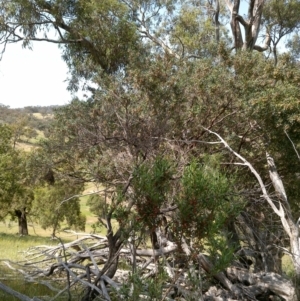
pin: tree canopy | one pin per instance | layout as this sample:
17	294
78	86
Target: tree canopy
190	127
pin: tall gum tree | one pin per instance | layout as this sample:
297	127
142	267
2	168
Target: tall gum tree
104	34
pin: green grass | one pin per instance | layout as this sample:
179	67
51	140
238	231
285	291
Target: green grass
90	218
287	266
12	248
25	288
35	230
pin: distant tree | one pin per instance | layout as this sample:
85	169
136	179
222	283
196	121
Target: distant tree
16	194
22	131
55	204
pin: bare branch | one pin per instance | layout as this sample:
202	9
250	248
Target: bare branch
280	212
292	144
158	42
275	178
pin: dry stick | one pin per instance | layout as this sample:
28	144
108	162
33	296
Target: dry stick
29	278
208	267
104	290
110	282
280	212
171	285
32	225
298	221
132	248
85	236
147	263
108	266
8	263
80	280
292	144
66	288
66	261
92	258
88	276
81	195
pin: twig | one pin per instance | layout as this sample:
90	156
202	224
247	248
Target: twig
68	274
92	258
292	144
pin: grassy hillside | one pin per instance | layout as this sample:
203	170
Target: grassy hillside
33	121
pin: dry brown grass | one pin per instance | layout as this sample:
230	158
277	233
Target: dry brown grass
40	116
27	147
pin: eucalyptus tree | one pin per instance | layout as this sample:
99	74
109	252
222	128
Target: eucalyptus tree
161	76
95	34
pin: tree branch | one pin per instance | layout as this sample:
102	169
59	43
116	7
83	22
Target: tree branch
280	212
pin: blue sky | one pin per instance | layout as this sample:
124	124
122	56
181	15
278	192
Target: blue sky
33	78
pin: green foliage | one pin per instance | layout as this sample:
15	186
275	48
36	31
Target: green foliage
56	204
25	122
151	182
220	252
137	286
206	201
272	97
283	16
194	33
6	136
97	205
100	208
293	45
162	72
109	38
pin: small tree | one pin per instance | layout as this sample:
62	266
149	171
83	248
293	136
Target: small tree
55	204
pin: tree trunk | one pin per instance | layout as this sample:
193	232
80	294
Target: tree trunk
295	251
22	221
251	26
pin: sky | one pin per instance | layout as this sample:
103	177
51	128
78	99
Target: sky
33	78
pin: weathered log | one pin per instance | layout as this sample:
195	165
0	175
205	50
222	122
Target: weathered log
208	267
258	283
